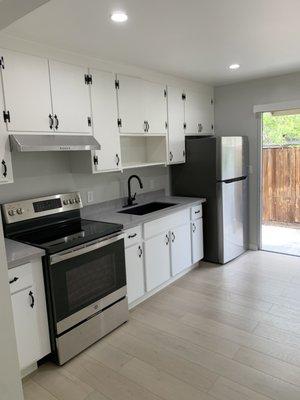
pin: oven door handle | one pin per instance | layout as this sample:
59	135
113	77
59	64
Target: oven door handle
66	255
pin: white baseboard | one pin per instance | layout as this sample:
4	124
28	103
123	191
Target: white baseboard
28	370
253	247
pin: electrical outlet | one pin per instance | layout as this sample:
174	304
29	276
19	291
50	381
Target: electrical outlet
90	197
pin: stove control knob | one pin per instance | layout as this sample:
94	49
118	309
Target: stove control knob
77	200
20	211
72	201
66	202
12	212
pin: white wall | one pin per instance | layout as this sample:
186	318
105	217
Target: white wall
234	116
37	174
10	382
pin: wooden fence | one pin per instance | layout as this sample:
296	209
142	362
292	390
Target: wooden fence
281	185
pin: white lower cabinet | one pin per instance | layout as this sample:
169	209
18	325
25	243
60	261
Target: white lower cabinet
171	245
197	240
25	321
157	260
135	272
180	248
29	312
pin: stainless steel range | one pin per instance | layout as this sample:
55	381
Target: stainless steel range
84	269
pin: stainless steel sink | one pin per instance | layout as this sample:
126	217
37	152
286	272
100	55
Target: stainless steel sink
147	208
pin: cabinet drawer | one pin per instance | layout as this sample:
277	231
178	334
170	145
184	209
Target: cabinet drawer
160	225
133	236
196	212
20	278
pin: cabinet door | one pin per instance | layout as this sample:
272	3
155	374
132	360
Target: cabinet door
197	240
157	260
180	248
105	115
134	272
199	112
26	92
155	107
6	173
176	146
207	105
43	344
25	326
193	113
70	98
130	104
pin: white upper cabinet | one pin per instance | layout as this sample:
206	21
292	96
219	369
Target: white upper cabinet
129	91
176	138
142	106
26	92
199	111
155	107
6	173
105	115
70	98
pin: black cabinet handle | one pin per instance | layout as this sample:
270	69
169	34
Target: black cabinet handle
197	212
132	236
148	126
145	126
167	240
173	237
118	159
171	156
15	279
96	160
194	228
56	121
51	122
4	173
140	252
32	299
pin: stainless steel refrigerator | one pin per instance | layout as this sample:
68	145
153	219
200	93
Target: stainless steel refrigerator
217	168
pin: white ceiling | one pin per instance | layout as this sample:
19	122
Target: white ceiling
195	39
12	10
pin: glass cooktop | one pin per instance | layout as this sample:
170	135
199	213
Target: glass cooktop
62	236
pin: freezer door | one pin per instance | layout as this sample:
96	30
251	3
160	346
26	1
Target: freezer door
233	219
232	157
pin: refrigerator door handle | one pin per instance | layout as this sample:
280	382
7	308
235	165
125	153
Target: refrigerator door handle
241	178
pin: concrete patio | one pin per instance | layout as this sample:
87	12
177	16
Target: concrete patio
281	239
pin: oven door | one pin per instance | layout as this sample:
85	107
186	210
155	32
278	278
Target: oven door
85	280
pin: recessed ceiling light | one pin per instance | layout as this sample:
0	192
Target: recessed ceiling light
119	16
234	66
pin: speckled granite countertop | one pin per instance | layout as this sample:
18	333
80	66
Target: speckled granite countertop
99	212
19	253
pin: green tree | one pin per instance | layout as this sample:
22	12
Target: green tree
281	129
